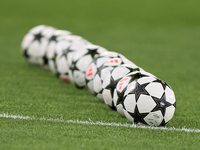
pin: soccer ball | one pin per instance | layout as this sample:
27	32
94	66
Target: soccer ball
149	101
110	81
104	70
80	63
96	65
51	44
34	44
77	44
60	54
64	59
59	48
122	87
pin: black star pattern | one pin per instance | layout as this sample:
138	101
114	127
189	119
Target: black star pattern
73	66
66	73
99	70
38	37
138	90
26	54
162	104
53	38
137	76
174	104
138	117
112	107
112	85
67	51
96	58
64	53
45	60
133	69
92	52
120	98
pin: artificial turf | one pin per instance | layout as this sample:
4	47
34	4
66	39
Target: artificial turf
162	37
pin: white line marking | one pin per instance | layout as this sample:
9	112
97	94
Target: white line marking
90	122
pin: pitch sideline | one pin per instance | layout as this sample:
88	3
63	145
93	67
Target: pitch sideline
90	122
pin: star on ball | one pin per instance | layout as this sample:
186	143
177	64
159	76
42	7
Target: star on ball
26	53
162	104
138	90
38	37
112	85
138	117
73	66
92	52
53	38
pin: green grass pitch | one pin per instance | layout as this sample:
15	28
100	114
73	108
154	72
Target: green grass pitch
162	37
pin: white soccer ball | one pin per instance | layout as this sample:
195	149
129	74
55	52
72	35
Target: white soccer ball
64	59
51	46
96	64
60	55
60	60
104	70
149	101
34	44
112	78
123	86
57	48
80	63
77	44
